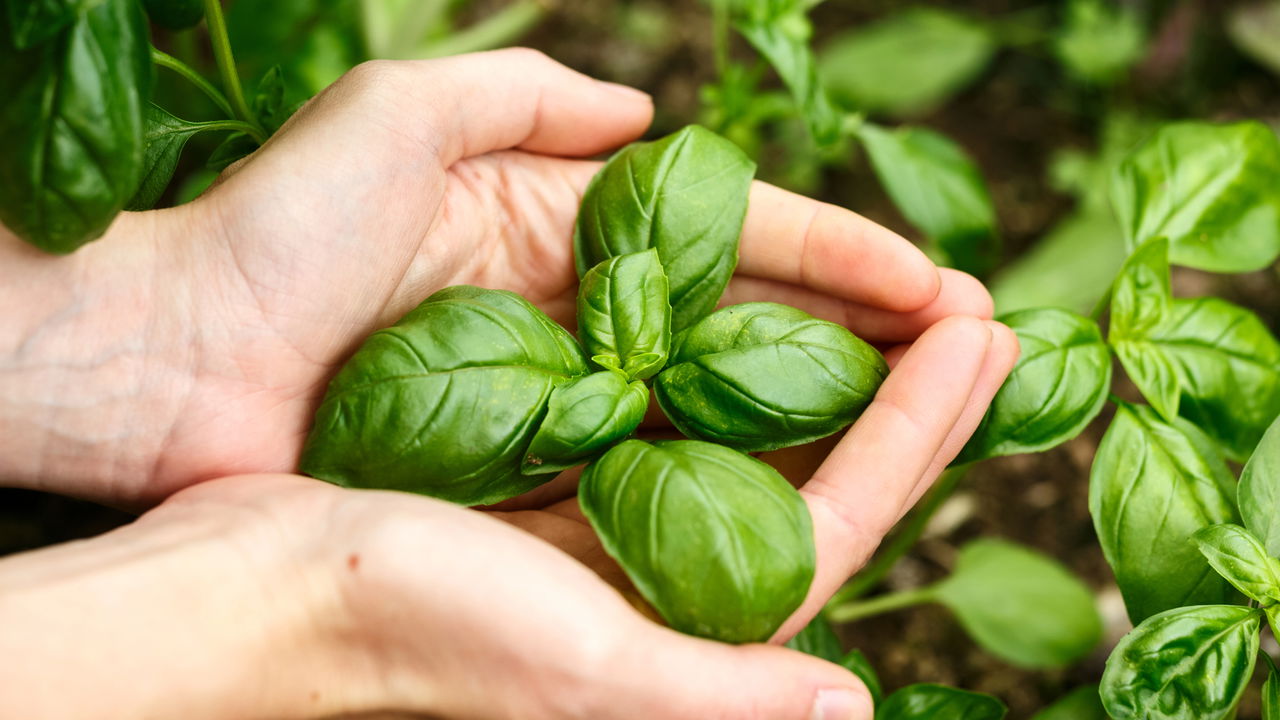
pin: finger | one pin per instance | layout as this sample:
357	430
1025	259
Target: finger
792	239
959	294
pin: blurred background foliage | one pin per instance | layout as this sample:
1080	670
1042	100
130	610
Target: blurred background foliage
1014	110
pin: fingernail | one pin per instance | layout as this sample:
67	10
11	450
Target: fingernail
626	90
840	705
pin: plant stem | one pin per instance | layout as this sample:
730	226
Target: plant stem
227	66
497	29
720	29
883	604
232	125
166	60
901	541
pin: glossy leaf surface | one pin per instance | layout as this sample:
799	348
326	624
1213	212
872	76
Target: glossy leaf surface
1259	493
446	401
1155	483
1057	387
165	137
762	376
684	195
931	702
1189	663
1238	556
718	542
584	417
624	317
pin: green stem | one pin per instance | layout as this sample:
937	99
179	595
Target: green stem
166	60
720	28
905	538
498	29
232	125
879	605
227	66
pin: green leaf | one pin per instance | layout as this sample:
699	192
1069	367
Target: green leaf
718	542
236	146
268	100
1210	189
1154	483
933	702
165	138
1020	605
1254	29
585	416
857	663
762	376
1209	361
1242	560
908	63
1057	387
1100	41
785	44
1083	703
32	22
175	14
73	126
446	401
686	196
1260	491
1189	663
818	639
1070	267
939	189
1271	695
624	317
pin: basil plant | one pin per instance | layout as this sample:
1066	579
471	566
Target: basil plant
476	396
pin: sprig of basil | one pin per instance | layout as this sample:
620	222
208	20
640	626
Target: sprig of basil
585	416
784	42
624	317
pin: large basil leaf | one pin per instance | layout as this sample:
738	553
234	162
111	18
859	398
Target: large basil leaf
1154	483
932	702
446	401
762	376
1240	558
718	542
1212	362
818	639
1057	387
1022	606
1189	663
686	196
73	120
1083	703
1210	189
624	318
31	22
784	42
1259	492
584	417
939	189
907	63
166	136
1099	41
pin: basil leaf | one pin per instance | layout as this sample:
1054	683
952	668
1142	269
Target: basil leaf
624	318
1057	387
930	702
939	190
1022	606
784	42
718	542
1271	695
1154	483
446	401
686	196
857	663
1071	267
908	63
1189	663
1240	558
1083	703
236	146
175	14
166	136
818	639
1259	491
584	417
762	376
1099	41
32	22
73	119
1217	203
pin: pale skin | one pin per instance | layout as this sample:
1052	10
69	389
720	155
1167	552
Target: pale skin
172	367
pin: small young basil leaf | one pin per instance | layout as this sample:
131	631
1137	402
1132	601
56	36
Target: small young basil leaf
174	14
818	639
1083	703
1020	605
784	42
1240	558
908	63
924	701
762	376
236	146
857	663
1057	387
584	417
1141	295
1190	663
166	136
446	401
939	189
686	196
1154	483
1218	203
1259	492
73	118
718	542
624	318
1271	694
32	22
1100	41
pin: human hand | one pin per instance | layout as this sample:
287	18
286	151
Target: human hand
195	342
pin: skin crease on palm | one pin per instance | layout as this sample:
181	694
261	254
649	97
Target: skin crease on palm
194	343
